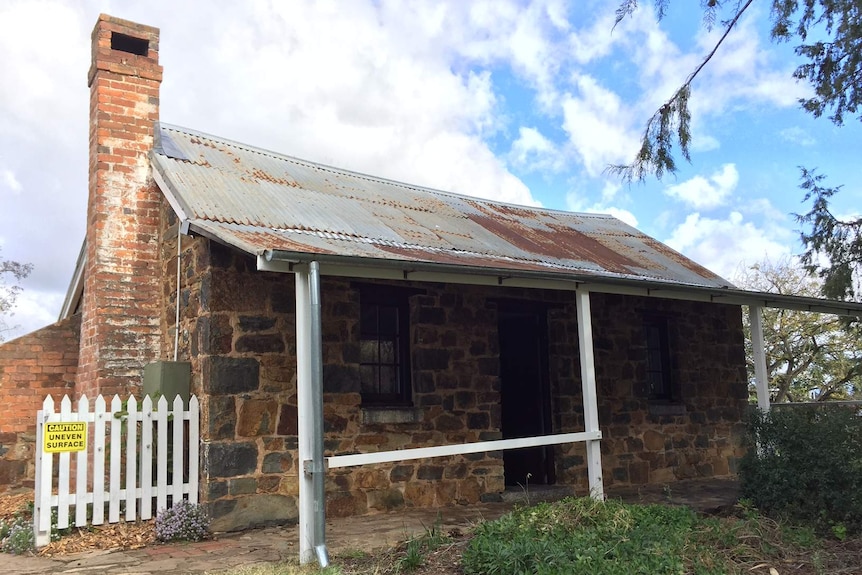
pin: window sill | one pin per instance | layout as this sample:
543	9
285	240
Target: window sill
391	415
657	407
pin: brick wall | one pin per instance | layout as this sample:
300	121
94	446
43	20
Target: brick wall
238	330
121	299
32	367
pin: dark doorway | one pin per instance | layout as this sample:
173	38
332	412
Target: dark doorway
525	393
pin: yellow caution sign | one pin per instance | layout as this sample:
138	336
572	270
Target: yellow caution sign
65	436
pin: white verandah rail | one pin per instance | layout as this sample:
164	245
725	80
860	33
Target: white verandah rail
130	458
351	460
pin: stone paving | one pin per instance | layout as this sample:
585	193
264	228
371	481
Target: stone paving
366	533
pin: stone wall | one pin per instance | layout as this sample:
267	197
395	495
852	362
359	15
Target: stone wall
32	367
697	433
237	327
456	394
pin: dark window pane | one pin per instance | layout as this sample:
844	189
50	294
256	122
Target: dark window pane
368	351
653	337
368	378
388	380
658	374
388	321
655	363
387	352
368	319
655	383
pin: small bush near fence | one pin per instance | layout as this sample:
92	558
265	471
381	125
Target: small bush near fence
183	522
805	464
16	532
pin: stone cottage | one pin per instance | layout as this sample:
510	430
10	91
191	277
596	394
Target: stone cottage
443	320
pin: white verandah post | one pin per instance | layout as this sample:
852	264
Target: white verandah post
305	424
761	380
588	384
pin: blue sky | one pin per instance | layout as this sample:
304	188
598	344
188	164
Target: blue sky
520	102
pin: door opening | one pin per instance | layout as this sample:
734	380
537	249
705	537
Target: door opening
525	391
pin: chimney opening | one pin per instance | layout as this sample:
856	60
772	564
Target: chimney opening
130	44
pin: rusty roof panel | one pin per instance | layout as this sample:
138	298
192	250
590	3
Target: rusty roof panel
258	200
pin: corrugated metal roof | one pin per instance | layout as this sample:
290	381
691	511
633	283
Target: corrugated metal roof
258	200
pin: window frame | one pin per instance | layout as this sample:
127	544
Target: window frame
397	298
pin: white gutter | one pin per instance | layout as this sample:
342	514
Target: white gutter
345	266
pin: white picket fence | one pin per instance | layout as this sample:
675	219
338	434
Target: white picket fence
113	439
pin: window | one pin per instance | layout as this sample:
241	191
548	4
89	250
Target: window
658	359
384	354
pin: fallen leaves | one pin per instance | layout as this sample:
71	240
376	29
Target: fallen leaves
12	505
115	536
133	535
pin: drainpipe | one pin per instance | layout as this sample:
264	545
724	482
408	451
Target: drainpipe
309	395
317	462
304	423
179	275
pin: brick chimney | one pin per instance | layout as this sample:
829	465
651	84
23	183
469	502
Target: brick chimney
121	298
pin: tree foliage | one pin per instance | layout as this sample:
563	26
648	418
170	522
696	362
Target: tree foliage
808	354
11	273
830	36
838	240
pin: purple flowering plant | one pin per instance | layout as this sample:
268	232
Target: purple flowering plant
183	522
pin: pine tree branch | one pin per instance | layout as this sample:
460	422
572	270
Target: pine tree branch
656	153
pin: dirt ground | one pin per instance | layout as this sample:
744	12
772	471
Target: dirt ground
837	558
109	536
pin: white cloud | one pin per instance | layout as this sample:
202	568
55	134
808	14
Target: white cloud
619	213
596	41
721	244
796	135
33	309
381	103
598	125
576	201
610	189
10	181
534	152
704	143
706	193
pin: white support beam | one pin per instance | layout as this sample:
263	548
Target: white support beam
459	449
761	379
305	414
588	383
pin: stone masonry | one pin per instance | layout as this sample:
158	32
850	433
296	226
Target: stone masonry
238	330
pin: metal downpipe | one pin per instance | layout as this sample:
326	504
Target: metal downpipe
318	470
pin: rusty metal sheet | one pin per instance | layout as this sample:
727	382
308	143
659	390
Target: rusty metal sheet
258	200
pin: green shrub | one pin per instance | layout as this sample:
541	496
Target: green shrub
184	521
805	464
17	537
584	536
